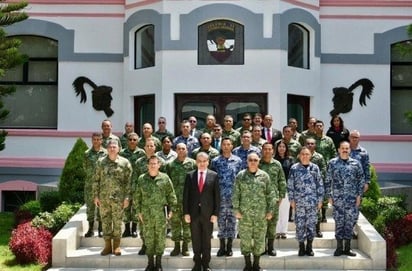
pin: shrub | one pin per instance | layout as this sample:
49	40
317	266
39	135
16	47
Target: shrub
369	209
31	245
374	191
49	200
397	234
71	186
22	216
55	221
32	206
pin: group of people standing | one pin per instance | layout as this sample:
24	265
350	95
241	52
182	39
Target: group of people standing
244	179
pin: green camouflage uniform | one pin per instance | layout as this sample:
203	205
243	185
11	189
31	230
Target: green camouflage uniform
326	147
132	156
142	142
111	137
259	144
253	198
151	196
305	135
177	171
112	186
232	134
278	183
89	164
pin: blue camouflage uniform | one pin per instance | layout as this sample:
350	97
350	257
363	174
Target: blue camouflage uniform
305	187
227	169
344	182
191	143
361	154
243	153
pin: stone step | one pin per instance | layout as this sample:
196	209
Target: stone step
327	241
89	257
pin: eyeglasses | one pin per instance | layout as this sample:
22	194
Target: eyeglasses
246	119
132	139
310	143
216	130
253	160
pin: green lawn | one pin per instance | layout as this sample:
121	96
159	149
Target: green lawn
404	258
7	259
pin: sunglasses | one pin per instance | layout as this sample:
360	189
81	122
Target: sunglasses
161	122
192	121
253	160
132	139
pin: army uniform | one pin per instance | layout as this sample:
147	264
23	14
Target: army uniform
226	169
177	171
142	142
233	135
151	196
161	135
89	164
243	153
278	182
132	156
305	188
344	183
111	137
258	144
253	198
361	154
167	157
326	147
112	186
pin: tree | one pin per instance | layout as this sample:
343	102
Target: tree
71	185
10	57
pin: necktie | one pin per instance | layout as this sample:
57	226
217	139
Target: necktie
201	182
268	135
217	144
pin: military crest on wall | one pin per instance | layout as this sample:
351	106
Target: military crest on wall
220	42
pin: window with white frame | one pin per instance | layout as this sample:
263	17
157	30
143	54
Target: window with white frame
144	47
34	104
401	87
298	46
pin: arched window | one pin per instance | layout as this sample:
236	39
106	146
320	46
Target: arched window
144	47
298	46
34	104
401	87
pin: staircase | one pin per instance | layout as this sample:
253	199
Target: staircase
71	251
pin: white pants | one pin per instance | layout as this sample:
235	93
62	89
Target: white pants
283	220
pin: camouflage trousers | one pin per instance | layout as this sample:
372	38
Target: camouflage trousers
111	212
226	221
130	214
92	212
252	231
306	218
345	218
271	224
180	229
154	233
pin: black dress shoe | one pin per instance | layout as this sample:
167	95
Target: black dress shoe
206	268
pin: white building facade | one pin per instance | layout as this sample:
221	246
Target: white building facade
178	58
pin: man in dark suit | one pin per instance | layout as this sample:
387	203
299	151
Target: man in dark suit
201	200
269	133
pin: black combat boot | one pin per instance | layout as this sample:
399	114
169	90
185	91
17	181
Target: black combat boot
100	229
158	265
126	232
134	230
176	249
339	248
301	251
142	250
221	252
347	250
318	232
248	263
271	249
90	232
309	250
256	266
150	263
229	251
